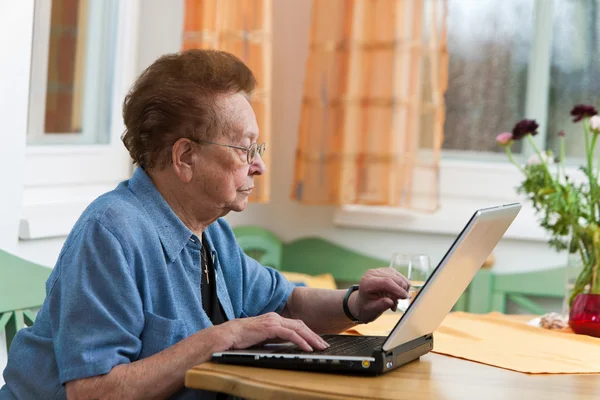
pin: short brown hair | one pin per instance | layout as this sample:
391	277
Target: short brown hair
176	97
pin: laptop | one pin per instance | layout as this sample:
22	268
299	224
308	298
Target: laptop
412	336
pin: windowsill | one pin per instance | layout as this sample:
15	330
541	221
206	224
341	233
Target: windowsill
465	186
50	212
450	219
75	165
49	221
60	181
67	149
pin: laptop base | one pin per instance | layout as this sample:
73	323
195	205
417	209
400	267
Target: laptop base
379	362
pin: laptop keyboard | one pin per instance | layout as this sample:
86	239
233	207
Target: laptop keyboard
343	345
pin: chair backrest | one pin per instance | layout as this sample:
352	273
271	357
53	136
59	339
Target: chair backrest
492	291
22	290
316	256
260	244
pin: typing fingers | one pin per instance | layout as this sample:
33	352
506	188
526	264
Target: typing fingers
292	336
303	331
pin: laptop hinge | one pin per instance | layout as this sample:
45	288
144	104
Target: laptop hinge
407	352
410	345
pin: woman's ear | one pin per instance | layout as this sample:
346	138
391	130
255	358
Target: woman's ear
182	156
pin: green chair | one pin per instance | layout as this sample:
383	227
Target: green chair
316	256
492	291
260	244
312	256
22	290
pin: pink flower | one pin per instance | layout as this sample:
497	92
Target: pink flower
504	139
595	123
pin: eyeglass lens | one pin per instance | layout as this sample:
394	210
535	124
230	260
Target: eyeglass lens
255	148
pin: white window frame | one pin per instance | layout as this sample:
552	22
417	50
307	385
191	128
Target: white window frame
61	180
470	181
100	23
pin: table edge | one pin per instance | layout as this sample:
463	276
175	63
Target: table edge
239	385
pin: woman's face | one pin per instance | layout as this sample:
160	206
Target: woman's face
223	176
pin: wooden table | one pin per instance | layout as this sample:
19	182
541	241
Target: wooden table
434	376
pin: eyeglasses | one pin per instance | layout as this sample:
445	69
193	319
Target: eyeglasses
251	150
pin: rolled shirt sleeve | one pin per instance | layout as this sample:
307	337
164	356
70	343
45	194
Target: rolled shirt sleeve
96	310
265	289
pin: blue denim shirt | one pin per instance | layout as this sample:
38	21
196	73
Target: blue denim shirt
126	286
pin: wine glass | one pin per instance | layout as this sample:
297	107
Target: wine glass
416	268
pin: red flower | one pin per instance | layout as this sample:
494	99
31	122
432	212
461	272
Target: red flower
580	111
523	128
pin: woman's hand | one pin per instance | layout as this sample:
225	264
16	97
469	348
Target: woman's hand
242	333
379	290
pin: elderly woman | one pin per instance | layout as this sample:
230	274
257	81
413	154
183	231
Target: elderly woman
150	281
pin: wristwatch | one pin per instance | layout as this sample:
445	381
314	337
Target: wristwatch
346	308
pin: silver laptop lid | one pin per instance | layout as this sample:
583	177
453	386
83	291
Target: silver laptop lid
453	274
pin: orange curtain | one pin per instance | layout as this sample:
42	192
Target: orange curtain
371	128
243	28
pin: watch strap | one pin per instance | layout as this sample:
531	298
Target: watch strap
351	289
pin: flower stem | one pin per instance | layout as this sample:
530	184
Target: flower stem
562	156
539	154
509	154
587	137
595	244
589	150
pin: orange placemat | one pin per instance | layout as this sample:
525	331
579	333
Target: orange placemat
498	340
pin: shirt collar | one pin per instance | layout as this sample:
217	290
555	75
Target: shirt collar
172	232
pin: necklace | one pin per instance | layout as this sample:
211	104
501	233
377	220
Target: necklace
204	262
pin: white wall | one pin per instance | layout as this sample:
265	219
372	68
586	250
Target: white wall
161	28
16	22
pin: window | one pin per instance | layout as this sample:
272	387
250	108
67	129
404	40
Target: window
519	59
489	43
72	72
574	69
508	60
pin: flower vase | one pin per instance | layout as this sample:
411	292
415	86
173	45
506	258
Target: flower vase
584	315
582	302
